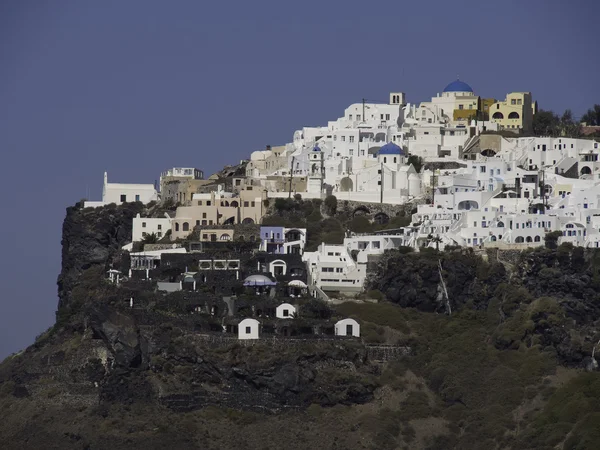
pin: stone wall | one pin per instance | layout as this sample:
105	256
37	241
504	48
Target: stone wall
375	208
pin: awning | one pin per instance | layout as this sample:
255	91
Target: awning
258	280
297	283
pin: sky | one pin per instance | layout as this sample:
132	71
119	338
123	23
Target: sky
135	87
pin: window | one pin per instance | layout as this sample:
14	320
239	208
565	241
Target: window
204	222
351	138
204	215
351	152
482	169
335	138
248	330
362	153
343	138
144	234
460	106
159	234
513	102
123	198
143	224
358	117
246	204
137	197
205	236
159	227
197	222
382	117
475	224
385	159
253	204
350	116
387	117
483	224
519	102
199	202
210	222
286	312
207	202
426	132
395	159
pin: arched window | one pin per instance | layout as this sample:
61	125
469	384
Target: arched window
186	226
528	239
498	115
514	115
176	226
225	237
536	239
519	240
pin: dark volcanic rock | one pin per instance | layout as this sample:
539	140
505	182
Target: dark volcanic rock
90	236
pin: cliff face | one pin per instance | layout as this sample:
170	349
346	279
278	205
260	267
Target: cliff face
495	374
90	236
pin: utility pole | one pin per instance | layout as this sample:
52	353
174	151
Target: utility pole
363	115
381	185
322	172
291	173
433	190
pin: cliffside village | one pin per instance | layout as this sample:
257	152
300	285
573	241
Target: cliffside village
478	187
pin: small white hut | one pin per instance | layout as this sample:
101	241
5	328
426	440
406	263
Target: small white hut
285	311
347	327
249	329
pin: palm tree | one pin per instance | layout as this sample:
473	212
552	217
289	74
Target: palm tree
151	238
437	239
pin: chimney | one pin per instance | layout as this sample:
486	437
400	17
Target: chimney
268	147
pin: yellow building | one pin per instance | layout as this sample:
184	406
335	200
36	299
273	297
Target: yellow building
515	113
477	109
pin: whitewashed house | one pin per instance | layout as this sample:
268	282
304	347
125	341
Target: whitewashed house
331	268
285	311
347	327
249	329
120	193
143	226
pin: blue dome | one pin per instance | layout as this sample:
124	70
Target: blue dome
458	86
316	149
391	149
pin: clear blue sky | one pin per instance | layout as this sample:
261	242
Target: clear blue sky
134	87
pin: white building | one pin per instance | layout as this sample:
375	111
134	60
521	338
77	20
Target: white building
285	311
281	240
182	172
347	327
143	226
331	268
120	193
249	329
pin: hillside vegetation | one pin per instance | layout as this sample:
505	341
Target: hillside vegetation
504	362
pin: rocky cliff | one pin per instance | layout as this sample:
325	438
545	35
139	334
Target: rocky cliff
510	368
